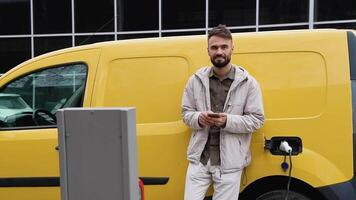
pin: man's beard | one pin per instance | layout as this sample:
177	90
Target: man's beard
220	63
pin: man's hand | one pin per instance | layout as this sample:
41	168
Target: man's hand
205	120
220	121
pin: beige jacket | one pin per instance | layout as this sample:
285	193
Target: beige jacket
244	110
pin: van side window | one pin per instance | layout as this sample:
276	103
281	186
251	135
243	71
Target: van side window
33	100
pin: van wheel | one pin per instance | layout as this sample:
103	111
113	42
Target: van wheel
280	195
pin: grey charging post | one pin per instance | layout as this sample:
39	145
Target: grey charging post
98	154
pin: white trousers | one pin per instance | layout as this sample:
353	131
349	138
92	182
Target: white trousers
199	178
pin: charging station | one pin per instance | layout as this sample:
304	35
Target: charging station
98	154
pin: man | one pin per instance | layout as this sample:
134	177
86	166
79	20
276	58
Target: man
222	104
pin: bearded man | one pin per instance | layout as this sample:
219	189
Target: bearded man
222	105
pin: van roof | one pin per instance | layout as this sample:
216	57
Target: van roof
176	39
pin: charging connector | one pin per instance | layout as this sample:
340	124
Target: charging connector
281	145
284	146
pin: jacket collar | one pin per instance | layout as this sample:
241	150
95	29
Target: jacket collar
230	75
240	75
203	75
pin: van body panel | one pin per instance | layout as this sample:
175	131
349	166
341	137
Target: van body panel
317	102
123	86
306	86
289	77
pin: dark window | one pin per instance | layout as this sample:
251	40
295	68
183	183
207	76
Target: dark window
137	15
283	11
353	87
13	51
94	16
326	10
243	30
81	40
15	17
284	28
47	44
32	100
184	33
133	36
341	26
182	14
52	16
232	12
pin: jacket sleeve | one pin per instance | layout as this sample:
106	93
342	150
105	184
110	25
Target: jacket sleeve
253	115
190	114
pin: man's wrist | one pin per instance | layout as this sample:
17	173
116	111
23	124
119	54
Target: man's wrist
200	125
223	125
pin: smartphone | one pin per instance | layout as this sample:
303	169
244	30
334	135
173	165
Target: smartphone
214	115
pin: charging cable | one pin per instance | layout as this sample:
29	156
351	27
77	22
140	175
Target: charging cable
284	146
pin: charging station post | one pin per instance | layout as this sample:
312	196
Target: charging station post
98	155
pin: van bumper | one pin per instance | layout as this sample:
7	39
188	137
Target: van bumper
340	191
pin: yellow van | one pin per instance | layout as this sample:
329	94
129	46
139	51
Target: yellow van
308	81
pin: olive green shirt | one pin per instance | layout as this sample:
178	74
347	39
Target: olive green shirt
218	93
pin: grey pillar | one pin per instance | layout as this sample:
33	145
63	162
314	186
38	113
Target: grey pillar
98	155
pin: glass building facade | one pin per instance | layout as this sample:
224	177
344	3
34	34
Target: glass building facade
33	27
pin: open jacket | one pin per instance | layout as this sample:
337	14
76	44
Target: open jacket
244	110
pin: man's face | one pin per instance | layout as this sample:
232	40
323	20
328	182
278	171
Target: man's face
220	50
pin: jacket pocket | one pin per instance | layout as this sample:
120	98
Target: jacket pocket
231	154
192	142
245	141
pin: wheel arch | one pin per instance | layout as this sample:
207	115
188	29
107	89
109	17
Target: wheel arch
269	183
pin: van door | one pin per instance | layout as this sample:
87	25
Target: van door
29	99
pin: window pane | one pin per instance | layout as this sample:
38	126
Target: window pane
133	36
15	17
48	90
13	51
353	86
341	26
283	11
137	15
81	40
326	10
184	33
94	16
52	16
283	28
183	14
243	30
47	44
232	12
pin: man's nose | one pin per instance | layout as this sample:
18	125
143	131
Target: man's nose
219	51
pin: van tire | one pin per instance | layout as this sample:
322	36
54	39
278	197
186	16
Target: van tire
280	195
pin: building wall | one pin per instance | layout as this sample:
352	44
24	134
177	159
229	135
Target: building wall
33	27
